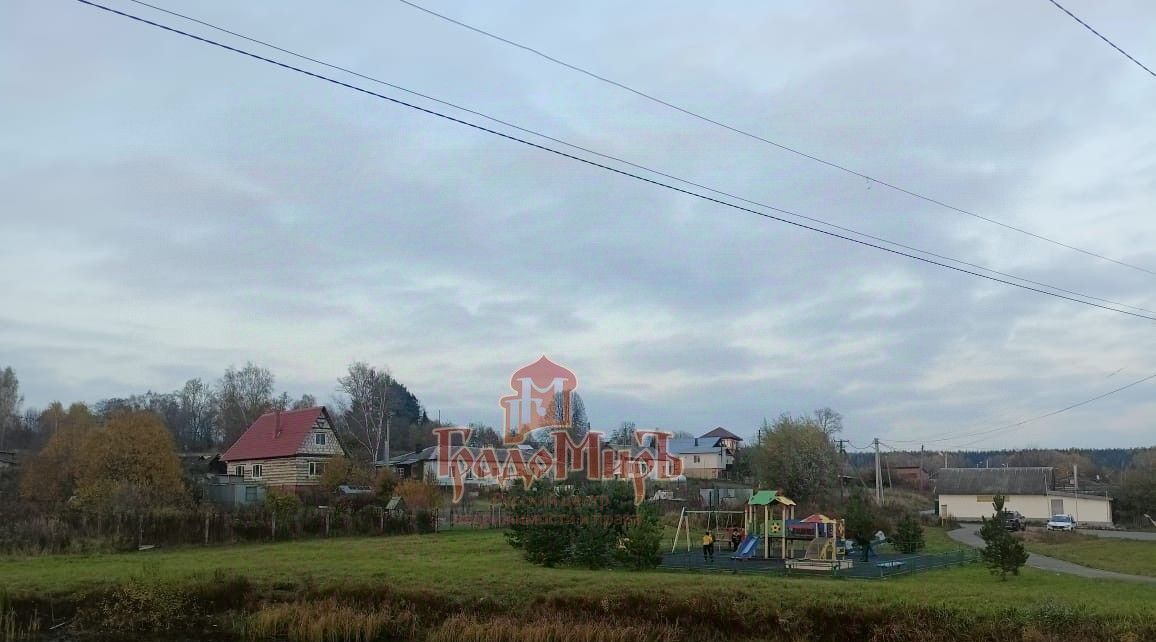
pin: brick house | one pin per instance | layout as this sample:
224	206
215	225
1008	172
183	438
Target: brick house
285	449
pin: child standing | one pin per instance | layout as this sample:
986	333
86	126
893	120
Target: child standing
708	547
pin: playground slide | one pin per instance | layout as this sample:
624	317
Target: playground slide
747	549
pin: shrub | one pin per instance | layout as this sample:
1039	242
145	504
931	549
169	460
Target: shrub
861	521
641	548
1002	553
424	521
579	525
419	495
908	535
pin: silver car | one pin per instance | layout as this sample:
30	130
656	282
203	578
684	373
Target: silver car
1061	523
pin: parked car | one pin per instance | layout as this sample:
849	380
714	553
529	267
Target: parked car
1061	523
1013	520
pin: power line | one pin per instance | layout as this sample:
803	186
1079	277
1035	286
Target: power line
627	162
1019	424
615	169
763	139
1098	35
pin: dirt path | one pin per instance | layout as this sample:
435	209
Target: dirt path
969	534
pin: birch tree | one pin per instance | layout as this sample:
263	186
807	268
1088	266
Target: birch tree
10	401
365	406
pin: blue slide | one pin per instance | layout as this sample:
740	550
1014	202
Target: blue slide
747	549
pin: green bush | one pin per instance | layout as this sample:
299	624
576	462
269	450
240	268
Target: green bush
579	524
424	521
908	535
641	548
1002	553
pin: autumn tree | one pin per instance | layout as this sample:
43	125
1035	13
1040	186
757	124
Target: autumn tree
795	455
51	474
419	495
130	464
243	396
342	470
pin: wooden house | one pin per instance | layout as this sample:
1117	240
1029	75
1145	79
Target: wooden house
285	449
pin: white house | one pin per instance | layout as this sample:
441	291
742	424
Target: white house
710	456
966	494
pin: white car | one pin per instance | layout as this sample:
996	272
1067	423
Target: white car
1061	523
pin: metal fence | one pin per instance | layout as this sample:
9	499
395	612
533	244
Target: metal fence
877	567
456	517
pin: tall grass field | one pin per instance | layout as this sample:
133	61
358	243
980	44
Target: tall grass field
470	585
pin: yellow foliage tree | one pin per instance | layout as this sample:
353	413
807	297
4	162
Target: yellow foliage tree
50	476
342	470
419	495
130	465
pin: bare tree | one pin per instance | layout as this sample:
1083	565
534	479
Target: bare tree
198	409
829	421
624	434
242	396
365	407
306	401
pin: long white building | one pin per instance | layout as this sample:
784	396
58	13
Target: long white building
966	494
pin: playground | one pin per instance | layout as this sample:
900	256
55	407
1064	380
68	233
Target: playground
767	537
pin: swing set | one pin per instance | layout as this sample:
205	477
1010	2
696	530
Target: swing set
714	522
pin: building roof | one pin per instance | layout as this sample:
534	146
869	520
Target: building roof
992	481
767	497
721	433
692	446
276	434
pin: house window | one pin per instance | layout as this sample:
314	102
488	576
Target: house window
316	468
250	494
696	459
319	438
241	470
257	471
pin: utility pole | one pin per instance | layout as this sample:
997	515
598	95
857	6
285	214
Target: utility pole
922	486
388	418
842	467
1076	481
878	476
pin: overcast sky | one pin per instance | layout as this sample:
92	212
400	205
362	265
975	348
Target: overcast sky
171	208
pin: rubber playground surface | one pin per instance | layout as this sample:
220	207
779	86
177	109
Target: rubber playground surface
884	564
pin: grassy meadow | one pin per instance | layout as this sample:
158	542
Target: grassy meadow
1120	555
294	585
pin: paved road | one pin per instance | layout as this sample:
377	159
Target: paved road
969	534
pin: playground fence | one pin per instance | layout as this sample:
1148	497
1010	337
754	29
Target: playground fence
879	567
460	518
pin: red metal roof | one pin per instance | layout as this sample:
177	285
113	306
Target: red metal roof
275	434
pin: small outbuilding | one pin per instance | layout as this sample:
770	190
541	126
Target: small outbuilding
966	494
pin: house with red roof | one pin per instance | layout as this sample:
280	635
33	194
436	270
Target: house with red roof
285	449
